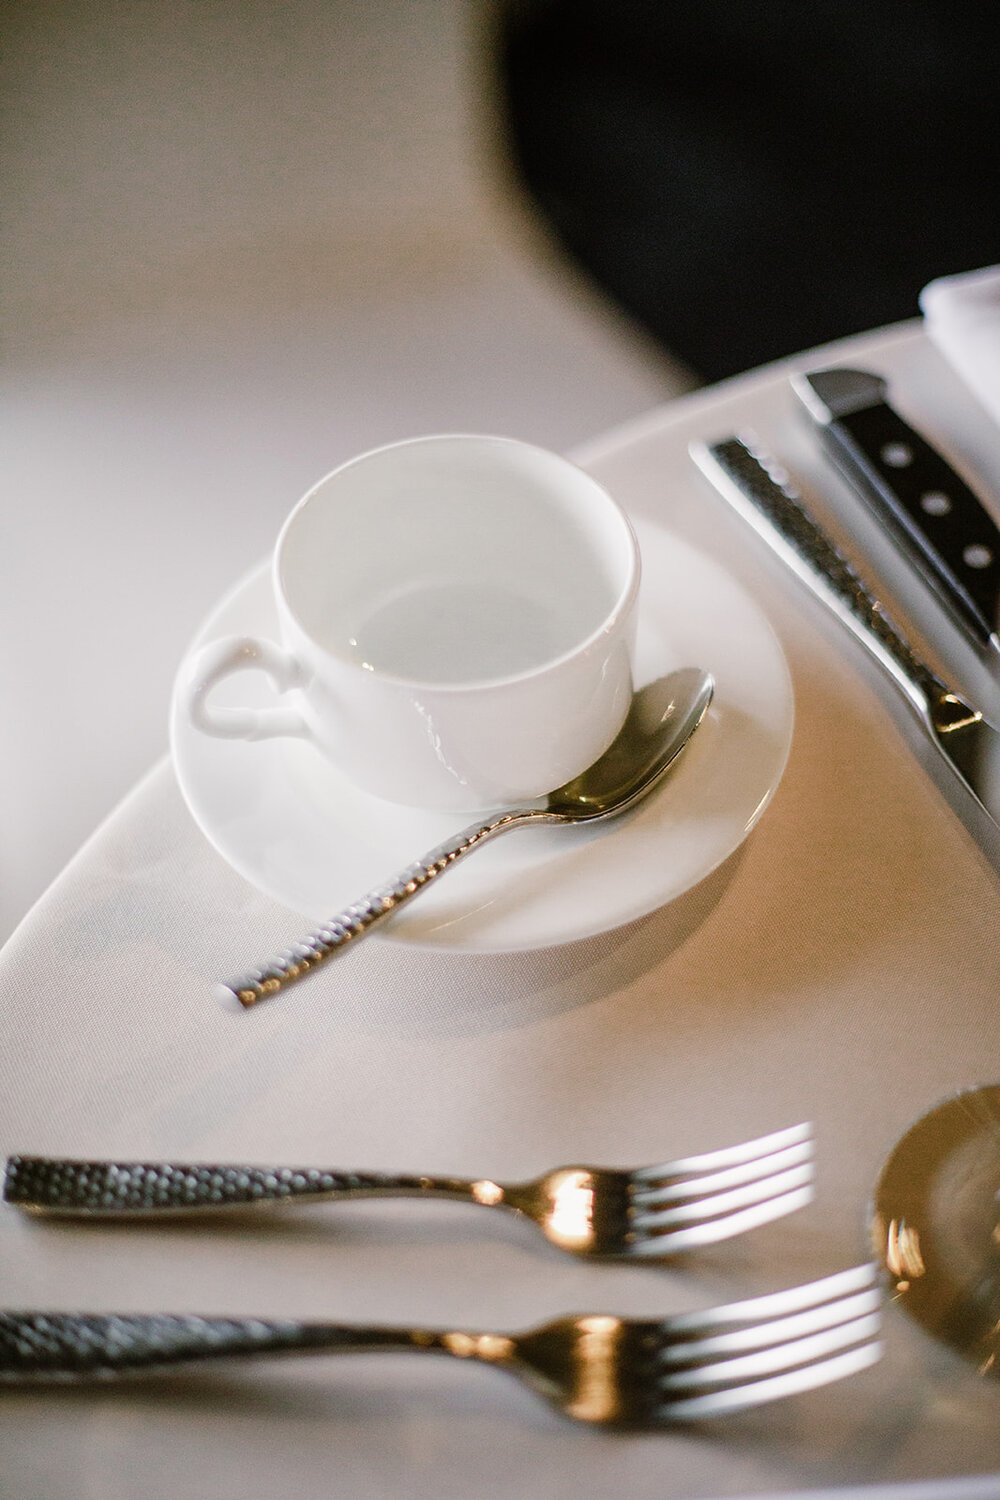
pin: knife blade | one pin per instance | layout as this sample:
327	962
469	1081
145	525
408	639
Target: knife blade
931	513
763	495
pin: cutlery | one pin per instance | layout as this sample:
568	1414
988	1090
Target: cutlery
761	492
934	1224
659	724
598	1369
927	508
591	1211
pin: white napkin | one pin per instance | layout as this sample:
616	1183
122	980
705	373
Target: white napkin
962	318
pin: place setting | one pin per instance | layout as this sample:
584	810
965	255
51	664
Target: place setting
300	827
466	622
484	708
501	846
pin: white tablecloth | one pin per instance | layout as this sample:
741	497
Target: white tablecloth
842	967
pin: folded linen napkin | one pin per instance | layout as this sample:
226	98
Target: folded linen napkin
962	319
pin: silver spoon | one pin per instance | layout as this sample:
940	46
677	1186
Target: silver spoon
934	1224
661	720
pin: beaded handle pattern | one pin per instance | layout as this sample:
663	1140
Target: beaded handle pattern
81	1346
358	919
106	1188
758	488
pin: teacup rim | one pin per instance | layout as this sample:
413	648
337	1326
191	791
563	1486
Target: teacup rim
620	610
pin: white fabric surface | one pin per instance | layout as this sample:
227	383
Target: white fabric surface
242	243
842	967
962	317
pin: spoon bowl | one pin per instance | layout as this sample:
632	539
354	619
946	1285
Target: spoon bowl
935	1224
662	718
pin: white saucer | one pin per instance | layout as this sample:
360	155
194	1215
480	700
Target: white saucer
302	833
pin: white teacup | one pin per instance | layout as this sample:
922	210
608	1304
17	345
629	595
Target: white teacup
457	619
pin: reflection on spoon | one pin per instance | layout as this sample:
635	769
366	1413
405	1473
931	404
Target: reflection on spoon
660	722
934	1224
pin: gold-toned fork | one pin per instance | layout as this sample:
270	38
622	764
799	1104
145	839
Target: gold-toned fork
598	1369
590	1211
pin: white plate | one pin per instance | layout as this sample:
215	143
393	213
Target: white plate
302	833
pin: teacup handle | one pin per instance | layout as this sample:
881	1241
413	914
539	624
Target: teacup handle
220	659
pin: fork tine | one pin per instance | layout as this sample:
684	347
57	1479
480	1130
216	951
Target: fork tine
674	1188
773	1346
707	1204
719	1205
782	1356
777	1304
711	1231
729	1156
774	1388
756	1336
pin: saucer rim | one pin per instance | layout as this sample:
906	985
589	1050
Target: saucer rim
593	921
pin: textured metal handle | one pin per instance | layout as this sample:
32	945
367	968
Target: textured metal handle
758	489
103	1189
358	920
925	505
40	1346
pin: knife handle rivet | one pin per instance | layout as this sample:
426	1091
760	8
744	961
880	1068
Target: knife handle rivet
935	502
897	455
977	556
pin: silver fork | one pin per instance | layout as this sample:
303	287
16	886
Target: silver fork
600	1369
596	1211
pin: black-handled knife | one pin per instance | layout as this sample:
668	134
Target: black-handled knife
762	494
930	511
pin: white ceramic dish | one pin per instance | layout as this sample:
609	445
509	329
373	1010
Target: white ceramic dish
299	831
430	659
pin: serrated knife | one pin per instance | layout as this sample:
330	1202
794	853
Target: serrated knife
934	517
762	494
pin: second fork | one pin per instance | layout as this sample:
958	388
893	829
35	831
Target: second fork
588	1211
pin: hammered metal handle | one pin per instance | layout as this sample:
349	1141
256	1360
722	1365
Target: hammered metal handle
759	490
86	1346
102	1189
358	919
